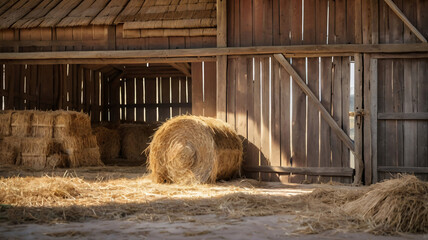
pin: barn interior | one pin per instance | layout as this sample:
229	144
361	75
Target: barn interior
328	97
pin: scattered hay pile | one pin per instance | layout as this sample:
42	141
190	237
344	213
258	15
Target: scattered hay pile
50	199
134	139
190	149
398	205
38	139
108	142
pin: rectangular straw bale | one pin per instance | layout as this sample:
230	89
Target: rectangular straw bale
5	121
36	162
87	157
21	123
36	146
68	123
8	151
42	124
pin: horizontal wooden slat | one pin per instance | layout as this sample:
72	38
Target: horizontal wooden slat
314	171
402	169
403	116
111	60
205	52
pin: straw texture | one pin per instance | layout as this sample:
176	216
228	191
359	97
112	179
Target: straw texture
191	149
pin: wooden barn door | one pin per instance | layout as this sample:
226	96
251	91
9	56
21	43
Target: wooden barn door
399	119
295	117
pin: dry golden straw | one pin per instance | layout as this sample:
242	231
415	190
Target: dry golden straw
90	193
191	149
135	138
108	142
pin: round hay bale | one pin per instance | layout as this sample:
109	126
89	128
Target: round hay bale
398	205
190	149
135	138
108	141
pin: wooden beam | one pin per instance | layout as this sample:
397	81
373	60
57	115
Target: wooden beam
209	52
313	171
182	67
406	21
403	116
373	116
400	56
221	66
399	169
324	113
108	60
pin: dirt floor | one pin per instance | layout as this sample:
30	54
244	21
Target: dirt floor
121	203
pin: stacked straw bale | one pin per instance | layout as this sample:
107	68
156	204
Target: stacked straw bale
135	138
190	149
108	141
39	140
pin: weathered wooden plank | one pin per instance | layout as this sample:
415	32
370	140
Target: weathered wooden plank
221	23
394	169
314	171
241	97
325	141
285	127
298	120
404	115
150	84
313	137
130	98
257	111
346	91
284	21
358	124
175	91
374	94
275	154
367	131
221	86
139	100
210	89
251	156
231	92
265	137
345	49
336	144
197	96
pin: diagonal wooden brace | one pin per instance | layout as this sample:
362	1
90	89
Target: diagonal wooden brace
324	113
405	20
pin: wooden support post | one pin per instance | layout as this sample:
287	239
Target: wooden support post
406	21
324	113
358	126
373	116
221	72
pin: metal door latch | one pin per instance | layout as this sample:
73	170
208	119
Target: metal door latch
358	116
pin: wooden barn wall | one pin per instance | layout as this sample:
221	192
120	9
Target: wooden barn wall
52	87
402	88
148	98
91	38
284	128
204	89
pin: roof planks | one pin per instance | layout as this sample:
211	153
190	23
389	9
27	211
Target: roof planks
134	14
